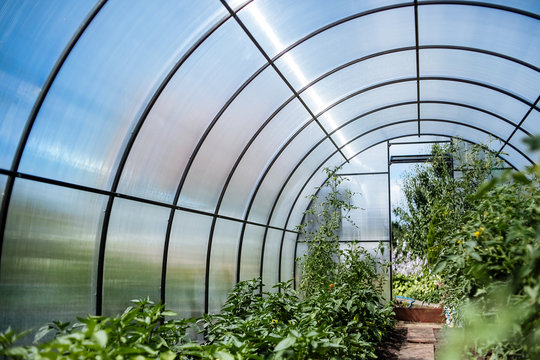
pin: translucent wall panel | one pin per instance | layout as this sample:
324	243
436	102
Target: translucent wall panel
279	171
192	99
461	131
373	159
374	120
371	216
259	155
369	101
349	41
271	259
186	263
34	34
223	259
228	137
49	255
302	199
515	158
483	68
468	116
250	265
527	5
3	180
275	23
297	180
532	122
287	256
490	29
478	96
92	105
133	254
359	76
390	131
517	141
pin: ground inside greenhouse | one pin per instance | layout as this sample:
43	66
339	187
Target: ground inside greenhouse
411	341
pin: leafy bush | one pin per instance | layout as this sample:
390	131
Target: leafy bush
420	287
141	332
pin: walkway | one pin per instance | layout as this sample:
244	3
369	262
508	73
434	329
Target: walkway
421	340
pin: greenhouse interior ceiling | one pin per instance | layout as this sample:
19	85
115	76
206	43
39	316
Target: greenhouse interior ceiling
167	148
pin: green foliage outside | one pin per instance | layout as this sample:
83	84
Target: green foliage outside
423	287
340	314
437	199
484	243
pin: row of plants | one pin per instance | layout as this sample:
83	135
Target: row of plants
339	312
479	233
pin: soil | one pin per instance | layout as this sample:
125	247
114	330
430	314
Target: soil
390	346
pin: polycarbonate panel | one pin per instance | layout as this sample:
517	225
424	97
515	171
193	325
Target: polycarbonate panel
258	155
527	5
49	255
228	137
298	179
3	180
515	158
467	116
287	256
223	259
422	148
303	199
517	141
473	26
279	171
271	259
346	42
373	159
250	264
34	34
370	196
185	109
415	138
275	24
361	75
369	101
186	263
532	122
391	131
133	254
461	131
474	95
372	121
92	105
483	68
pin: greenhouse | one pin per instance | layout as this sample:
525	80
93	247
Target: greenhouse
170	149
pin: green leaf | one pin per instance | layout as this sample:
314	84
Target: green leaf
285	343
169	313
168	355
439	267
101	338
223	355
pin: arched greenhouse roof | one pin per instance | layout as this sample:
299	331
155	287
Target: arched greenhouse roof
166	148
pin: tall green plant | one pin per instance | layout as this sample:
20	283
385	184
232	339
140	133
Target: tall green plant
492	271
321	233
